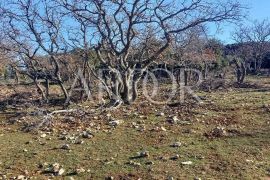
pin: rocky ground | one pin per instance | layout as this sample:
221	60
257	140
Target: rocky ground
225	137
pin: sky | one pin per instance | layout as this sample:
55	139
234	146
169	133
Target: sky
258	10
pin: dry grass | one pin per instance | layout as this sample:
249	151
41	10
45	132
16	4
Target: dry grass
242	154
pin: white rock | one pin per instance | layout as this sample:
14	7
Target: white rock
163	128
137	164
61	172
86	135
175	118
161	114
110	178
78	141
175	157
184	122
56	167
115	123
21	177
65	147
187	163
143	154
80	170
43	135
108	115
176	144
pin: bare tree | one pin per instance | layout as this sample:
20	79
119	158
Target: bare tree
120	27
37	37
254	41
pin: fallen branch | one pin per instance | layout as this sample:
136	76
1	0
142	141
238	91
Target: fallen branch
47	119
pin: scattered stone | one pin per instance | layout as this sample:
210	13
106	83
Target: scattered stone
163	129
143	154
109	178
29	142
54	130
218	132
64	138
175	157
187	163
135	125
70	138
78	141
42	143
87	135
176	144
25	172
88	130
55	167
65	147
149	163
141	128
161	114
184	123
80	171
64	133
170	178
173	120
21	177
61	172
43	135
197	178
249	161
115	122
25	150
136	164
40	165
143	117
188	131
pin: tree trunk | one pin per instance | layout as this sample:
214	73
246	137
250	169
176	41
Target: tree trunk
47	86
124	87
40	90
205	70
243	72
186	77
59	79
16	77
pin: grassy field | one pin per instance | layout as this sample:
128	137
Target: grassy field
241	152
